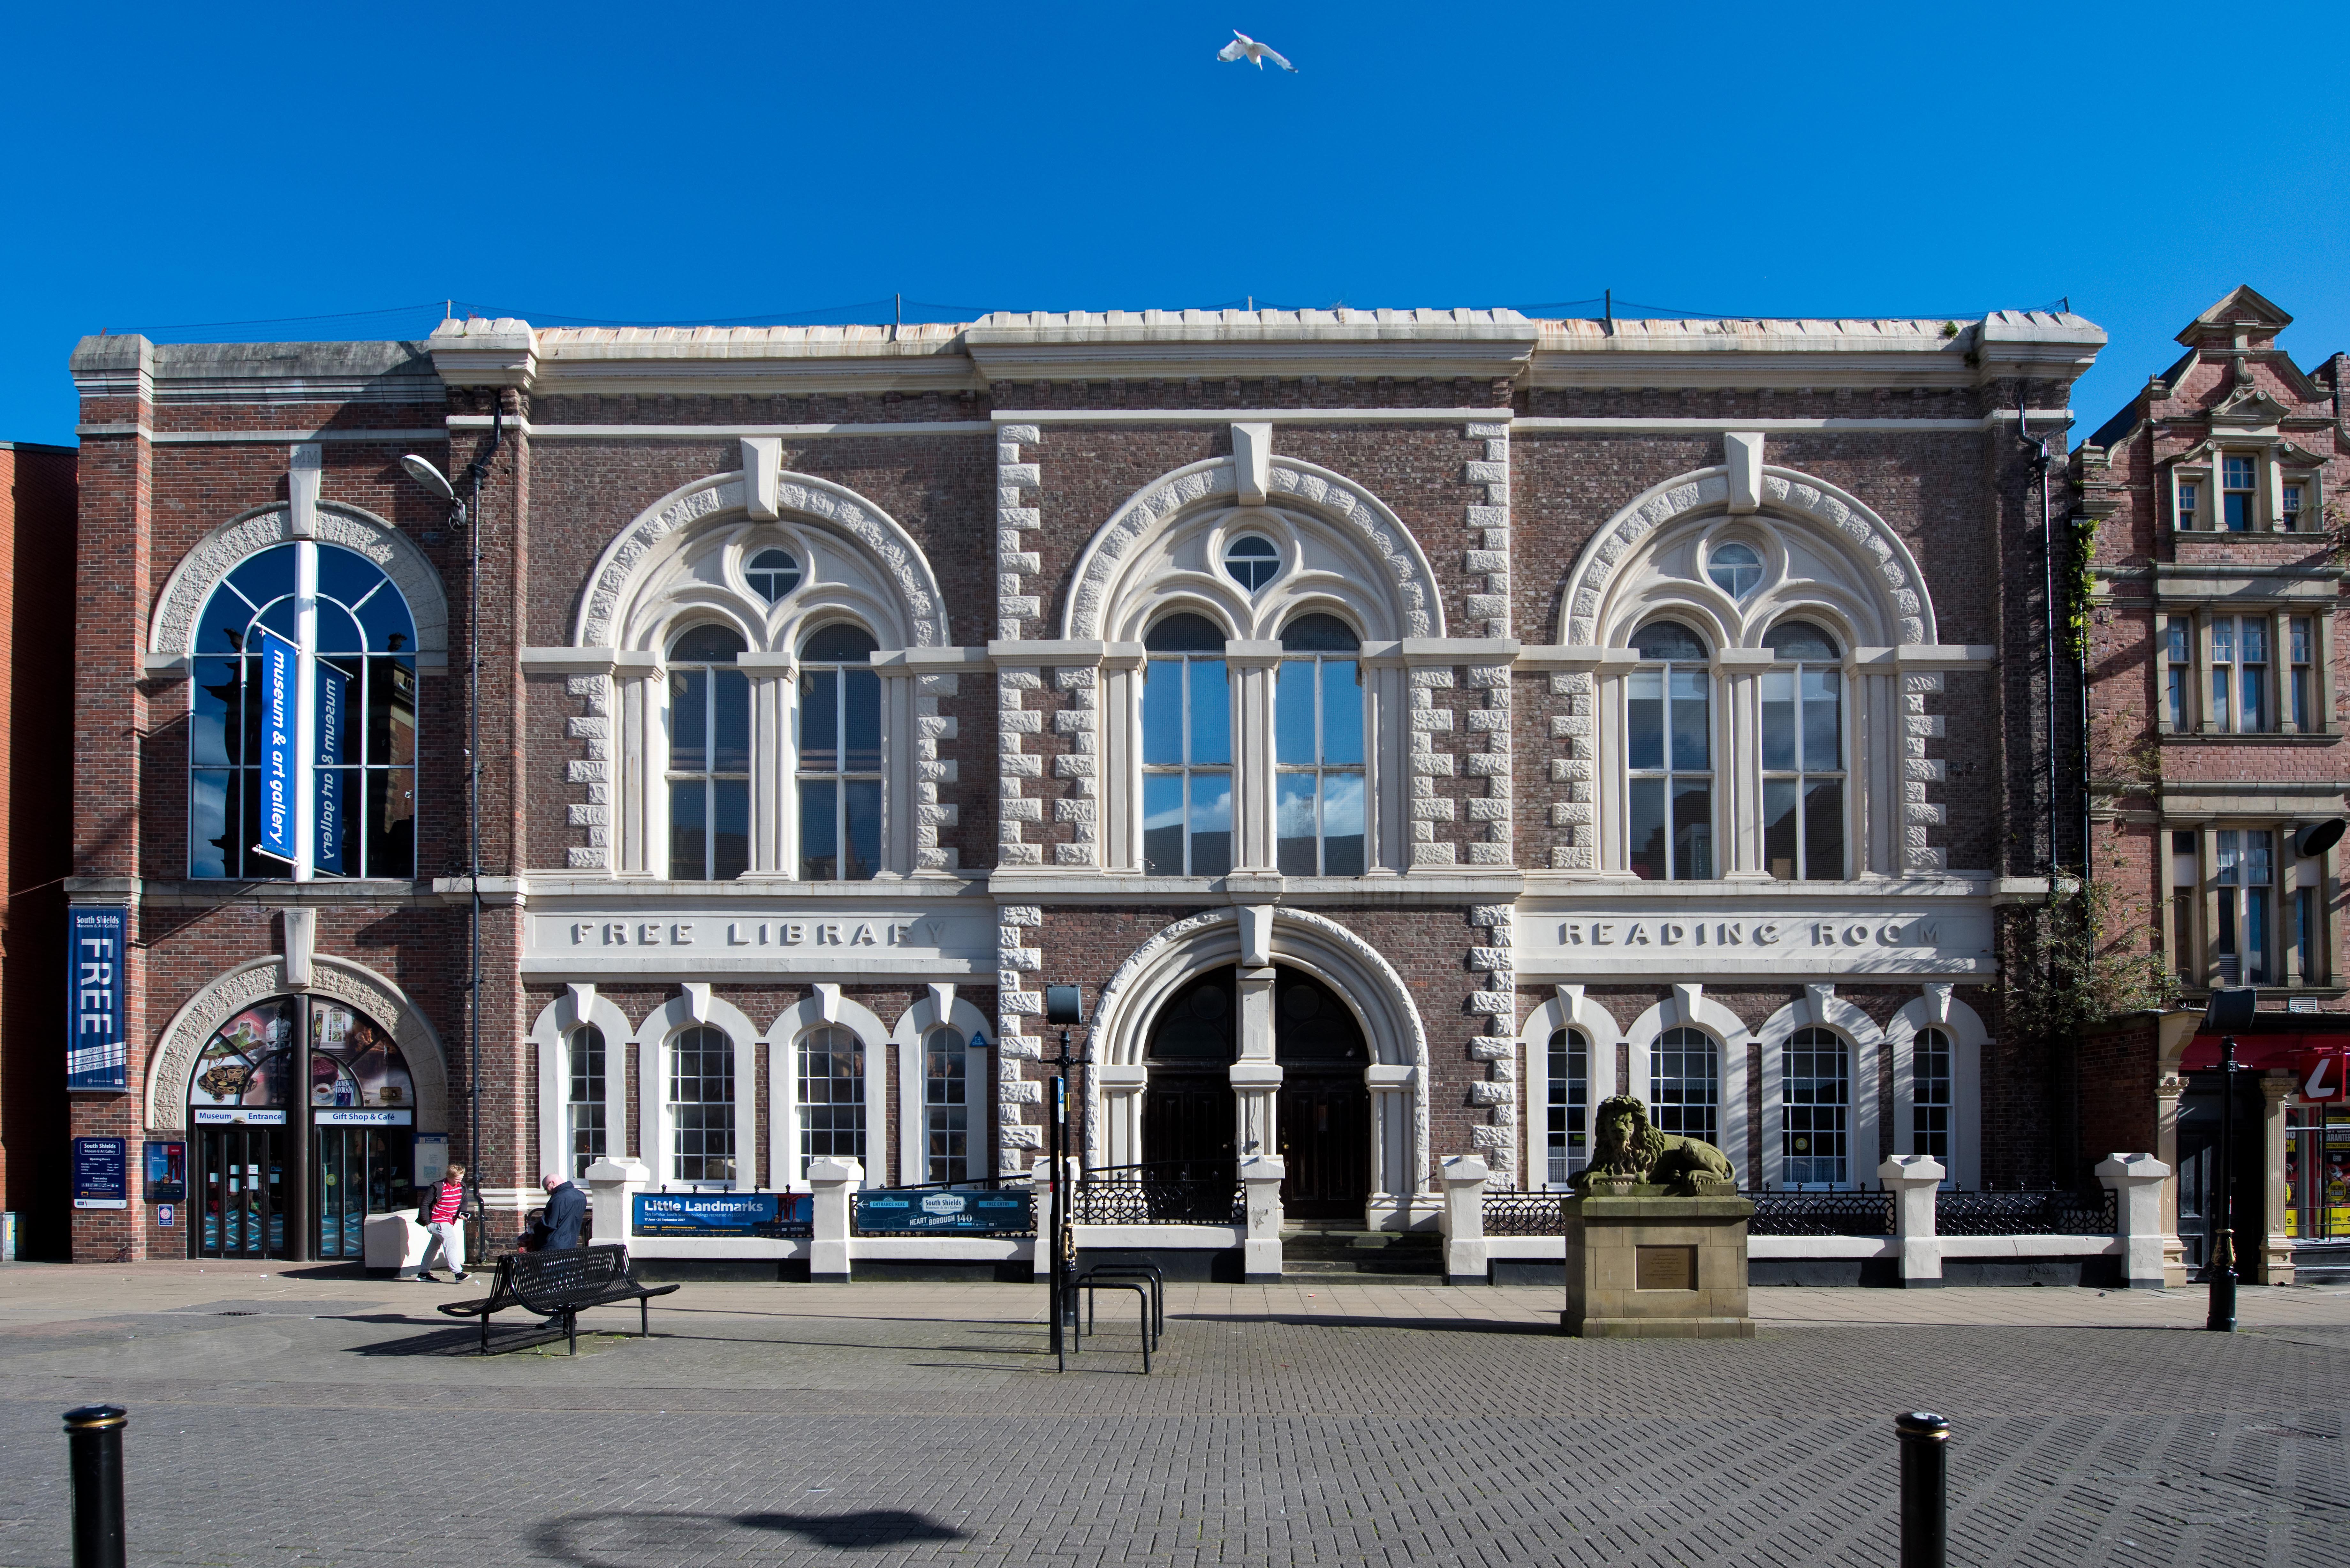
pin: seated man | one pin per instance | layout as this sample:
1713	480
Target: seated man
557	1228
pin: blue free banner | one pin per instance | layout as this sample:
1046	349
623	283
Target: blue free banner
95	1057
720	1213
326	827
279	762
927	1211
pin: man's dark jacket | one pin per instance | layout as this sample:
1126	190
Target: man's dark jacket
558	1226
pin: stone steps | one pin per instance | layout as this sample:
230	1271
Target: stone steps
1309	1253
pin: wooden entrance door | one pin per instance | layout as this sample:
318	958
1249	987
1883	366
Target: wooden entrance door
1188	1117
1326	1140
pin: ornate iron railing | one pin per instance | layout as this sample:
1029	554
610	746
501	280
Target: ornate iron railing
1163	1192
1820	1213
1524	1213
2022	1214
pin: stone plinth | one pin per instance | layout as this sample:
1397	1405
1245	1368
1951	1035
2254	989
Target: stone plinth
1645	1266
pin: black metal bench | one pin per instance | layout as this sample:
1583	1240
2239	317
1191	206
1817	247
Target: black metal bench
562	1284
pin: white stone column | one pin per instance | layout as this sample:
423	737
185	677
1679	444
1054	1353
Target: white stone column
832	1182
1255	1075
2137	1182
1465	1260
2276	1255
1260	1179
640	762
1914	1178
1738	779
1252	665
612	1188
774	700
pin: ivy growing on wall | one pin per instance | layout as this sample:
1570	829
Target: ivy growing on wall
2080	959
2078	582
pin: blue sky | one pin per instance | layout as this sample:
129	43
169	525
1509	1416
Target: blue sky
184	165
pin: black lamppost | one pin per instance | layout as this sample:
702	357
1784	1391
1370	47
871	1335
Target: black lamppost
460	514
1064	1007
2227	1012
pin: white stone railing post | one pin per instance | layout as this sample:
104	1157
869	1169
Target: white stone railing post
1463	1220
1914	1178
1260	1179
612	1188
832	1182
2137	1182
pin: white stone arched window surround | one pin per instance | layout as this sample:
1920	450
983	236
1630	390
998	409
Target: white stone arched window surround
909	1039
579	1007
1568	1009
1820	1007
1810	530
683	559
1257	940
1689	1007
824	1007
1969	1039
172	630
693	1006
171	1069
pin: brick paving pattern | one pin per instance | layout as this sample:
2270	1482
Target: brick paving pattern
1390	1425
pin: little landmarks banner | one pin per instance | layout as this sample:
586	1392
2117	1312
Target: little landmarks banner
720	1213
95	1054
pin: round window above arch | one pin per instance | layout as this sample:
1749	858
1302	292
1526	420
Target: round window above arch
1735	567
1184	633
772	574
841	642
1669	641
1253	561
708	645
1800	639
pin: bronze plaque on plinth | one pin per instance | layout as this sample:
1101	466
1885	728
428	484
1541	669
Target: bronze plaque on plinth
1664	1268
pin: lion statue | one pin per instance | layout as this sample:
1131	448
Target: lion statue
1625	1143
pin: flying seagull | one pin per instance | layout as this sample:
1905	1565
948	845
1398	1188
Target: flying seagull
1243	48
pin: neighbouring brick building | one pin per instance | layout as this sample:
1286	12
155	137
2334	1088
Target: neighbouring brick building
37	633
2217	761
1407	728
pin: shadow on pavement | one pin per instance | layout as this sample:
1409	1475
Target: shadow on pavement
1357	1319
616	1539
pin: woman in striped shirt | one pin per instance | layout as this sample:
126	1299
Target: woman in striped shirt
448	1231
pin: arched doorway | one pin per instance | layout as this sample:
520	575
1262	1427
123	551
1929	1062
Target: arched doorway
252	1125
1324	1119
1189	1115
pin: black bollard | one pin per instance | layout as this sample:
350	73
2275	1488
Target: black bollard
94	1457
1925	1489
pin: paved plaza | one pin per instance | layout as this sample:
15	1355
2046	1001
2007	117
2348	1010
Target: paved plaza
295	1416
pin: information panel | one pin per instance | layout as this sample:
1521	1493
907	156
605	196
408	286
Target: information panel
927	1212
95	1057
101	1173
720	1213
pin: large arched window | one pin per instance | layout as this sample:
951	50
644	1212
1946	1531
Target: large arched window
831	1096
1567	1130
362	638
1669	744
946	1108
1186	750
701	1107
709	757
1803	756
839	756
1932	1099
1318	750
1685	1085
1815	1109
586	1129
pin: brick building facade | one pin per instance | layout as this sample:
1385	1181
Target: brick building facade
2217	759
36	632
1407	728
